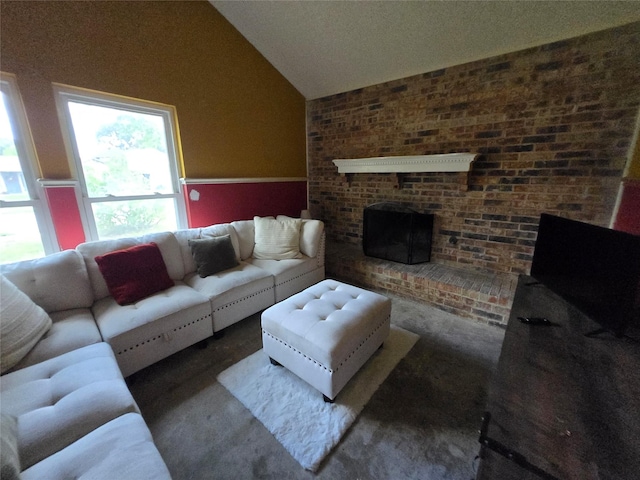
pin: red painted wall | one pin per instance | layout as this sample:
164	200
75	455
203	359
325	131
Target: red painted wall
216	203
66	216
628	218
208	204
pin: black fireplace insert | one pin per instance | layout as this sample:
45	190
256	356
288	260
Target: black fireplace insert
394	232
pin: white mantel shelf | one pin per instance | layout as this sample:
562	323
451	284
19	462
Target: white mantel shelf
446	162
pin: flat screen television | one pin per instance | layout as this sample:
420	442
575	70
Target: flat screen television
596	269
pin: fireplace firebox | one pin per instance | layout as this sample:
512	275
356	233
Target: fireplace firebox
394	232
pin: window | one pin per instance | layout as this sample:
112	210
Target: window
124	152
25	224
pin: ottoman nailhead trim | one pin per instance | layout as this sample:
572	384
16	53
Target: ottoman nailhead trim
297	351
362	343
235	302
158	337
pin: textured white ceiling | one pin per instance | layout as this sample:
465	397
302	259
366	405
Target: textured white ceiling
328	47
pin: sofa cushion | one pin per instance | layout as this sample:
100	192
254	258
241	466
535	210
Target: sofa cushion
220	230
213	255
283	270
222	282
310	234
121	321
70	330
9	459
183	237
134	273
22	324
122	448
246	233
155	327
277	239
291	276
166	241
61	400
41	278
170	250
235	293
90	251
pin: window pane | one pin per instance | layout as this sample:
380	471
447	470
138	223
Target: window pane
122	153
19	235
12	183
134	217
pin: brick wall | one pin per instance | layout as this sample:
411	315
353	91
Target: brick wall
553	123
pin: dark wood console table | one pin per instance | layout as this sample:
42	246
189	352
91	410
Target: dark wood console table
561	404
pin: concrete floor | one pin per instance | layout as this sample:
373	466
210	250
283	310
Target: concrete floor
421	423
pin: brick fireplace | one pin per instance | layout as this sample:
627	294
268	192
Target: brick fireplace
552	124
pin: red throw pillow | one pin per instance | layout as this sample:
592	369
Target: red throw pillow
134	273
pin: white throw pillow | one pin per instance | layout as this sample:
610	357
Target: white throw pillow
22	324
277	239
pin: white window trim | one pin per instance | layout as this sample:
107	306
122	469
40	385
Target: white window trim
64	94
28	162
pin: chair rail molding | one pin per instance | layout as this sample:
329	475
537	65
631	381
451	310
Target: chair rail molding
216	181
445	162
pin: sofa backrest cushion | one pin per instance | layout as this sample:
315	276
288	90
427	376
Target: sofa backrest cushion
170	250
183	237
166	241
90	251
310	235
134	273
220	230
246	234
56	282
22	324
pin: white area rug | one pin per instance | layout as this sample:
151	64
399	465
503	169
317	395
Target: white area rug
295	413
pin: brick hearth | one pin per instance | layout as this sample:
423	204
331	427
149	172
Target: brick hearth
482	296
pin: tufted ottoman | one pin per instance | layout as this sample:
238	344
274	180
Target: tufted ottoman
325	333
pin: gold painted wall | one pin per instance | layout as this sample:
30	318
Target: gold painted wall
238	116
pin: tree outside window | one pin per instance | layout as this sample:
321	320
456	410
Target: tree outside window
126	161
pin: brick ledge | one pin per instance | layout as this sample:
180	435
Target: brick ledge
482	296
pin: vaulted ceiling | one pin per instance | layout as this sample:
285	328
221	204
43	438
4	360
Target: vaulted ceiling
328	47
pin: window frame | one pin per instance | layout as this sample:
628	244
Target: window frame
27	157
65	94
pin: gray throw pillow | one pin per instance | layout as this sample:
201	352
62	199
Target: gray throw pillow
213	255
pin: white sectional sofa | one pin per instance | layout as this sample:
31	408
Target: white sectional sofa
68	392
